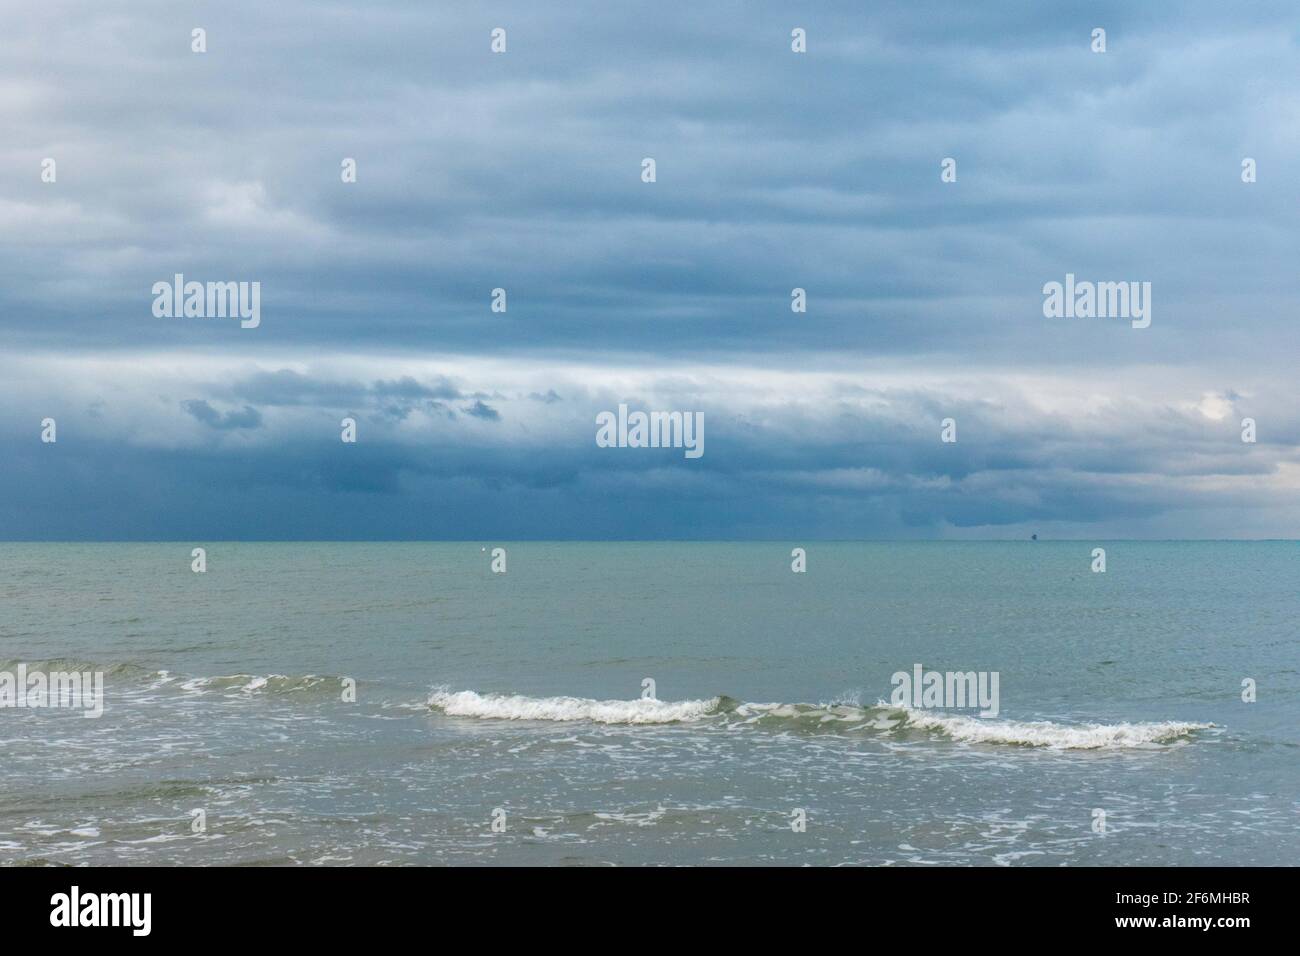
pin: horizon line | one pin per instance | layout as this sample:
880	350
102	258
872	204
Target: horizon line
480	541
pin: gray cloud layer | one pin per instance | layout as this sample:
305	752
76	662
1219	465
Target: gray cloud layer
775	170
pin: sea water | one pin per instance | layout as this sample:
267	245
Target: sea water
653	703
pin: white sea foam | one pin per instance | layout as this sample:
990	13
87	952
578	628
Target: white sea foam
1045	733
467	703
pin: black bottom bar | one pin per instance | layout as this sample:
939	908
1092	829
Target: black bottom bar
331	906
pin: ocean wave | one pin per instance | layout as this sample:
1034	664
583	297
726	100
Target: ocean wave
468	703
830	718
253	683
125	670
1054	736
139	676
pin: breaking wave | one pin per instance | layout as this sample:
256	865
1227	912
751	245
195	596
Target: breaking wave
834	718
252	683
467	703
129	678
1045	733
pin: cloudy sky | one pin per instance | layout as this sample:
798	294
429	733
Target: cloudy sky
522	171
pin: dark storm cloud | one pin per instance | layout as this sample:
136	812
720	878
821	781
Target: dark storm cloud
482	410
247	417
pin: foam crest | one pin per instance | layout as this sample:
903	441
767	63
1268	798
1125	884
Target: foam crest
468	703
1045	733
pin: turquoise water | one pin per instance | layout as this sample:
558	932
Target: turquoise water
1118	692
